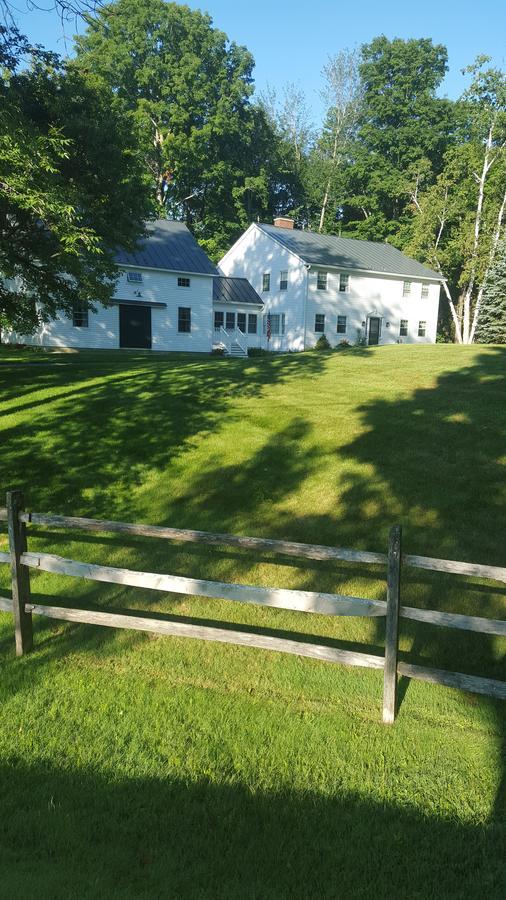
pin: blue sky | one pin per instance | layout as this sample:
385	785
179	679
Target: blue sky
291	41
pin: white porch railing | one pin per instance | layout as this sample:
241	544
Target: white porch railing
232	336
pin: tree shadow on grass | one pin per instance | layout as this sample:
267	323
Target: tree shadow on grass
438	459
102	431
78	835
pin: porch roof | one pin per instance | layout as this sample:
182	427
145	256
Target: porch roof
235	290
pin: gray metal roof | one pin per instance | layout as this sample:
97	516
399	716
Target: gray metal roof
348	253
235	290
168	245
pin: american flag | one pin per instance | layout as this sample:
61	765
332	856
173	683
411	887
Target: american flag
268	327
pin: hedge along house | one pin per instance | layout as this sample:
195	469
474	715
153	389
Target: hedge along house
163	300
349	290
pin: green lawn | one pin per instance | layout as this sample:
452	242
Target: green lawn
140	767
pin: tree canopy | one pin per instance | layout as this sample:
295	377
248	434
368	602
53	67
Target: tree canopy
188	90
72	186
157	113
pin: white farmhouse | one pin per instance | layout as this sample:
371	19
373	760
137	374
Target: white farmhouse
313	284
169	296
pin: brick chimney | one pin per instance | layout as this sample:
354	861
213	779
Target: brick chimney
283	222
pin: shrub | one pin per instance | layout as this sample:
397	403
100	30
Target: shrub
218	351
258	351
343	344
322	343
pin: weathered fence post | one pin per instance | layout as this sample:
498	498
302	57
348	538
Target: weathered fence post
392	624
20	574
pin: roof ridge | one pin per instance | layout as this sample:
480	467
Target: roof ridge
336	251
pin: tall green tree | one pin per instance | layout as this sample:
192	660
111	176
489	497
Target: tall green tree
403	132
188	90
72	187
459	218
491	325
330	154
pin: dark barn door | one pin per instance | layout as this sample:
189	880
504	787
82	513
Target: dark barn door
135	327
374	330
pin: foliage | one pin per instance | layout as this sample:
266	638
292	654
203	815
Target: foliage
188	89
403	131
72	188
491	327
259	351
322	343
458	218
342	95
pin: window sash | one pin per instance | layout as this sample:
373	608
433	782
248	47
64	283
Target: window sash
406	288
321	281
135	277
319	323
183	282
266	281
277	324
341	324
241	322
230	326
80	318
403	330
184	325
425	291
344	282
219	319
252	323
422	329
283	280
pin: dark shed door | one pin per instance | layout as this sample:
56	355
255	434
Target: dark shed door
135	327
374	330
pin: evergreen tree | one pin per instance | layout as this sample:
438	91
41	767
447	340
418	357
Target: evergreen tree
491	327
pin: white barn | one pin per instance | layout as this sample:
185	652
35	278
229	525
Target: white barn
313	284
164	300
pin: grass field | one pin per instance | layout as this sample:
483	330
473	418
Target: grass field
162	768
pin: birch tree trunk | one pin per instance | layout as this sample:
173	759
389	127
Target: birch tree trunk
493	248
481	179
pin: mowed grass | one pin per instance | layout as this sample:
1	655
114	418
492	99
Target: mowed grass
140	767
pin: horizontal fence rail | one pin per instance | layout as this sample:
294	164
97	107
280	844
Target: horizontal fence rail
302	601
22	561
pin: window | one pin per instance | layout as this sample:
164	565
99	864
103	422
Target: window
344	283
406	289
266	281
404	328
230	326
241	322
425	291
422	328
277	324
319	322
219	320
184	319
283	280
252	323
341	324
183	282
80	316
321	281
134	277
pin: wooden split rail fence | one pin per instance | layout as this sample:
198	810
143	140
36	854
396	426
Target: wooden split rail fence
21	561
